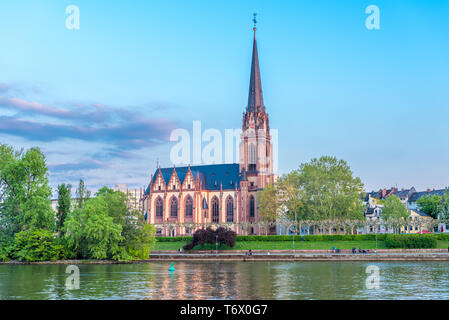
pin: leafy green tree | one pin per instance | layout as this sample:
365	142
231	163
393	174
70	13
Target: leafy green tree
104	236
431	205
25	197
105	228
64	205
269	204
74	233
138	237
290	199
82	194
91	228
444	208
140	246
328	191
394	212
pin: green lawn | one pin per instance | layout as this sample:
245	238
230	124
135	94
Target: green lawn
288	245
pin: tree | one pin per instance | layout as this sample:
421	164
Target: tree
140	246
444	209
91	233
394	212
64	205
290	199
431	205
82	194
269	205
24	191
105	228
328	192
131	221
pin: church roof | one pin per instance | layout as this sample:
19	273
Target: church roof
211	176
255	97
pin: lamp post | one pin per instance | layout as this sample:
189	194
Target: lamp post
376	238
216	244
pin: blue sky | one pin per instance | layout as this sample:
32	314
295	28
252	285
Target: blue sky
101	101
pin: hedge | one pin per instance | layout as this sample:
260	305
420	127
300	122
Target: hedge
443	236
174	239
339	237
411	241
395	241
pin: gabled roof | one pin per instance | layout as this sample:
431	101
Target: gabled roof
415	196
211	176
420	213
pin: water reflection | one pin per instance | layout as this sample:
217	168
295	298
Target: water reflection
228	280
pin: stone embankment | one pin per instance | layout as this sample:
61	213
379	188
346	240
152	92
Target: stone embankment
307	255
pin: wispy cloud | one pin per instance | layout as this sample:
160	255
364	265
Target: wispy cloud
5	87
83	138
34	107
121	129
87	164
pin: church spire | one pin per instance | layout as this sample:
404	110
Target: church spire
255	98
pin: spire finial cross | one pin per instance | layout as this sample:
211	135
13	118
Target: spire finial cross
254	19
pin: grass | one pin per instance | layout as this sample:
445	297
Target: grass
289	245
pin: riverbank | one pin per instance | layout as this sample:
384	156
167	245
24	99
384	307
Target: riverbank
72	261
290	245
266	255
307	255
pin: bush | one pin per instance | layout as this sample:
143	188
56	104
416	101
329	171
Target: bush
174	239
443	236
65	251
222	236
324	237
411	241
36	245
139	248
6	249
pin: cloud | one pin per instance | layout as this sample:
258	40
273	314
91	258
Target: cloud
121	137
87	164
4	87
22	89
34	107
93	141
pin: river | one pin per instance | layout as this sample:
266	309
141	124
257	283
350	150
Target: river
229	280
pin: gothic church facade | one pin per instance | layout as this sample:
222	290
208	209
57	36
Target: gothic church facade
179	200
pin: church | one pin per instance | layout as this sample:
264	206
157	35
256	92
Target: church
179	200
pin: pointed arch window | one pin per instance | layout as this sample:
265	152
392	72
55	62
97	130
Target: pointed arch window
189	206
215	211
174	207
159	208
229	210
251	206
252	157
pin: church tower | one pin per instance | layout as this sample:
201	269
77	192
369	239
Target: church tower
256	152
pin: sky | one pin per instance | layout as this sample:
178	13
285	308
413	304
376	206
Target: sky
101	101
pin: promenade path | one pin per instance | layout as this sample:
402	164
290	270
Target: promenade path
307	255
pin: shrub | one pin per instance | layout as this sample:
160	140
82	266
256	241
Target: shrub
174	239
443	236
324	237
6	249
139	248
320	237
222	236
36	245
411	241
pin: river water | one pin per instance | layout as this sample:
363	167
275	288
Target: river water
230	280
